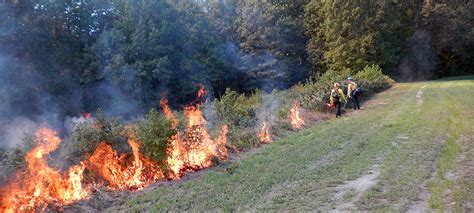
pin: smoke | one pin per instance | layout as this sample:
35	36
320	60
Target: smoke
209	112
419	60
12	133
116	97
24	102
270	102
263	70
31	97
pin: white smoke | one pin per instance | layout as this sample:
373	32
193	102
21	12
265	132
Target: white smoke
268	108
13	132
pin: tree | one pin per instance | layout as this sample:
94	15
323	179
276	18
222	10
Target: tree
353	34
451	31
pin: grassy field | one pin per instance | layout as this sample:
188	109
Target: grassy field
409	149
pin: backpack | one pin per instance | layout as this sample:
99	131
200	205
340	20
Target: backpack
357	91
335	96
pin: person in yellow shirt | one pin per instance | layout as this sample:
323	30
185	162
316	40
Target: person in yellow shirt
337	98
353	93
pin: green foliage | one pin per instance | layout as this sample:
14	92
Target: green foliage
239	112
154	132
353	34
89	134
452	35
243	138
315	94
371	79
14	159
73	47
237	109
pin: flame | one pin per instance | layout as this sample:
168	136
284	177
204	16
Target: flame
197	149
87	115
38	185
168	112
264	134
295	119
113	169
201	92
176	157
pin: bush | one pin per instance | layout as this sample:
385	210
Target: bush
315	94
14	159
154	132
243	138
237	110
372	79
88	135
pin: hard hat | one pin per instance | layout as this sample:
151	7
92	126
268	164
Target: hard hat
349	78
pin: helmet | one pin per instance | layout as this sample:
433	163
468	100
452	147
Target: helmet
337	85
349	78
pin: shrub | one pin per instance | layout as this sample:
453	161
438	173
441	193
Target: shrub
13	159
372	79
243	138
88	135
154	132
315	94
237	110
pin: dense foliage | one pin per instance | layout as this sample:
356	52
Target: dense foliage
154	132
68	57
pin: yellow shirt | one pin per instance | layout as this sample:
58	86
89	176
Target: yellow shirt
351	87
341	94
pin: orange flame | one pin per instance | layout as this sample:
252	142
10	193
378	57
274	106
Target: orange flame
38	184
295	119
168	112
110	167
176	157
264	134
201	92
87	115
197	149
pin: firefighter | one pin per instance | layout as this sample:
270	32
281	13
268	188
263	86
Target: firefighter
337	98
353	93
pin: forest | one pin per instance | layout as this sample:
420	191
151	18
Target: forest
75	56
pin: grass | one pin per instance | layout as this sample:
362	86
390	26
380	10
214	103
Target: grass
413	140
347	196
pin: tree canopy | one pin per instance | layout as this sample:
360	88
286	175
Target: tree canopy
124	55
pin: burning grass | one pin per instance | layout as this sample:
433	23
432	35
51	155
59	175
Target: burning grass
264	134
160	147
295	118
38	185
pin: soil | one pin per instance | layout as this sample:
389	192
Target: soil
358	187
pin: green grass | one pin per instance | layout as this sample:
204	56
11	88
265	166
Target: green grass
408	139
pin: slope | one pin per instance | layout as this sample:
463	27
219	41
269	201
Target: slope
410	148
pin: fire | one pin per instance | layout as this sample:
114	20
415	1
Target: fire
176	157
168	112
176	149
113	168
295	119
201	92
87	115
264	134
196	149
38	185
